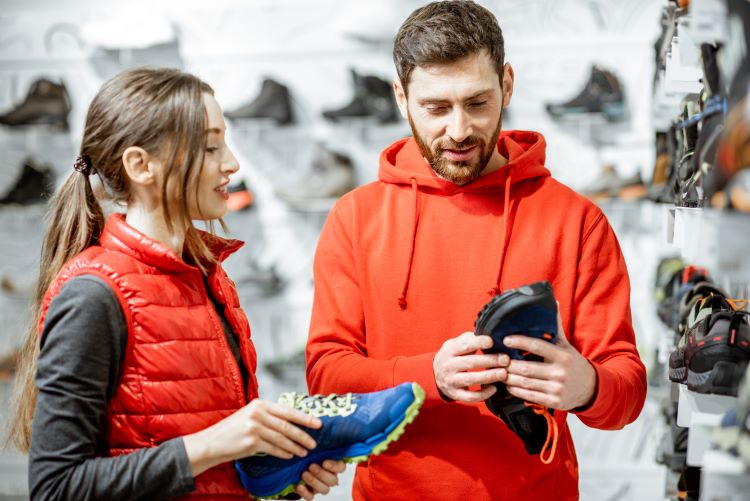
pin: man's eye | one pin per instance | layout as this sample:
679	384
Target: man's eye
435	109
478	104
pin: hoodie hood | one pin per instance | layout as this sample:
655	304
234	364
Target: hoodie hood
402	163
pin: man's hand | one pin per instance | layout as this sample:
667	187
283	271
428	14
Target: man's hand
564	380
455	363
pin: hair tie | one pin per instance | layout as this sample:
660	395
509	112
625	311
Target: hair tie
82	164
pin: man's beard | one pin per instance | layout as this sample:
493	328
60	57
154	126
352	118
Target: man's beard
458	172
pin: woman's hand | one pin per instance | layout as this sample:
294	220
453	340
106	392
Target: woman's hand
259	427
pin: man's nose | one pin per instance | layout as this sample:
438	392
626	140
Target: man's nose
459	127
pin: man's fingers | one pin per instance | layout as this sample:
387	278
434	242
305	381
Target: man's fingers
534	397
470	397
334	466
535	370
484	361
540	385
318	479
544	349
304	491
466	379
467	343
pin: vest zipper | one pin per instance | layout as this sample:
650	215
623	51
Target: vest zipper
236	375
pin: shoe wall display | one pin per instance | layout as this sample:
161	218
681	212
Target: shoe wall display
373	97
273	102
701	298
34	185
46	103
602	94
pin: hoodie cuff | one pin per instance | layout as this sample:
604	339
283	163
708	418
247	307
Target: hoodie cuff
607	385
418	369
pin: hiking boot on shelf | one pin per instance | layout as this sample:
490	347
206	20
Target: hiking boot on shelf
373	97
669	295
273	102
355	426
46	103
609	184
332	175
694	302
35	185
602	93
702	300
714	354
530	310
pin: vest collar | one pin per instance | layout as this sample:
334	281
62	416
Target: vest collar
120	236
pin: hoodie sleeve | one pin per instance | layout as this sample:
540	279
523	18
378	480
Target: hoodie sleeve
602	330
337	360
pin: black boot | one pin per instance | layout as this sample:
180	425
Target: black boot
529	310
35	185
372	98
273	102
46	103
601	94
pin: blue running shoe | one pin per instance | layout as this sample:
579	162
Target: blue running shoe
530	310
355	426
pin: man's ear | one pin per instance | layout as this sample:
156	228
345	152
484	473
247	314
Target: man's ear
398	90
507	83
139	166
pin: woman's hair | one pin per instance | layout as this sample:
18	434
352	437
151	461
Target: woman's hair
159	110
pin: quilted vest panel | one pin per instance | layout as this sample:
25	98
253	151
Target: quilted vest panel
178	375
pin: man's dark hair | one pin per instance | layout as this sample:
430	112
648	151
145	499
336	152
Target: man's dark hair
444	32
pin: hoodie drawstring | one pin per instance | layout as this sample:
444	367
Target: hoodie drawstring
405	287
493	291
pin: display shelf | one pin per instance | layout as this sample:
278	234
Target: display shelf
699	408
709	21
714	239
724	477
683	70
701	413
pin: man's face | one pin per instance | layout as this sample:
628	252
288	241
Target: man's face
455	113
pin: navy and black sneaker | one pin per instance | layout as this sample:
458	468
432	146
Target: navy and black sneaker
530	310
355	426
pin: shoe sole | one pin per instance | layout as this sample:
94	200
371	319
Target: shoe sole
292	476
677	369
499	308
722	379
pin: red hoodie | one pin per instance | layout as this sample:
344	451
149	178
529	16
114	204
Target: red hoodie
406	262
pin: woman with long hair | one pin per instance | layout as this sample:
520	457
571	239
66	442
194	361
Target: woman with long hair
137	377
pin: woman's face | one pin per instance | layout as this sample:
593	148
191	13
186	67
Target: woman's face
219	163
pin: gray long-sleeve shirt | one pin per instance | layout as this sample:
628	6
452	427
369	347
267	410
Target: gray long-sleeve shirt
84	339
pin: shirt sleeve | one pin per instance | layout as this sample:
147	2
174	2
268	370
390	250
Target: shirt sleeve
83	343
603	332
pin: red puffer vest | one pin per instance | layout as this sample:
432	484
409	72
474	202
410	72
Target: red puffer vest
178	374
